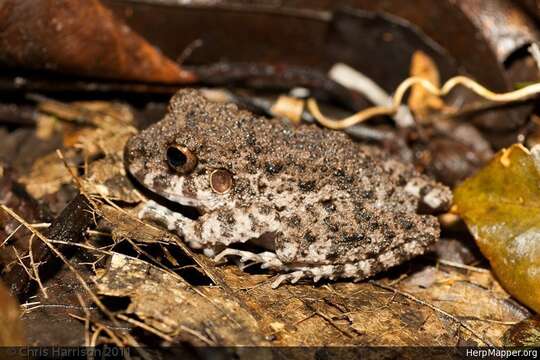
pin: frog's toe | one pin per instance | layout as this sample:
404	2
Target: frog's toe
357	271
293	277
244	256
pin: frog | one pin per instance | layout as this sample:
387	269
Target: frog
301	201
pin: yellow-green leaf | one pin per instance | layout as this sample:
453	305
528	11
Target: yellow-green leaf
501	206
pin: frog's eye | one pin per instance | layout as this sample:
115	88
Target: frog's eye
181	159
221	181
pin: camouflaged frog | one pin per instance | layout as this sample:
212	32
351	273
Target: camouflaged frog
316	203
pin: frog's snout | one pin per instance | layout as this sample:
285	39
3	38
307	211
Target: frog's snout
133	163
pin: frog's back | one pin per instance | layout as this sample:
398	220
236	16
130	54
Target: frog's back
301	159
305	152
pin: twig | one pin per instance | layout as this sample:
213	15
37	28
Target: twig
463	266
500	322
30	304
98	233
353	79
402	89
146	327
21	262
432	307
40	225
86	320
87	247
198	335
10	235
49	306
34	267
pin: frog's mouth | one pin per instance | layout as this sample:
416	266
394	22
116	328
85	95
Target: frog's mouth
202	199
191	212
187	209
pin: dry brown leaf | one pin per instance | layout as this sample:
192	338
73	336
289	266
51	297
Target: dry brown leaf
306	315
421	102
126	227
108	127
45	34
171	306
48	174
476	298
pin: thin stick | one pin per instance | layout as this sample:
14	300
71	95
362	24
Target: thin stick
86	320
40	225
21	262
402	89
10	235
146	327
463	266
198	335
35	268
84	246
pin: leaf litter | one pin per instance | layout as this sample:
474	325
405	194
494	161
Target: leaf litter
181	296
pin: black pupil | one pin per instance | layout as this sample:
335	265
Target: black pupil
175	157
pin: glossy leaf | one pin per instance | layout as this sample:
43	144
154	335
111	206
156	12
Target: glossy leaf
501	206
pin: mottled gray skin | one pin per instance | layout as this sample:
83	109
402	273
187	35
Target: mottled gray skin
322	205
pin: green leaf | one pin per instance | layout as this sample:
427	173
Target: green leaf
501	206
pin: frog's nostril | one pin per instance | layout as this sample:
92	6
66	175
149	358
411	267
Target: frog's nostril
181	159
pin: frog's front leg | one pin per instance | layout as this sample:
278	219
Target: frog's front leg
173	221
227	226
218	229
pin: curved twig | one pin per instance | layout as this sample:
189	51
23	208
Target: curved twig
402	89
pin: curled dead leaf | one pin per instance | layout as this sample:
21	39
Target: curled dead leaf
421	102
56	35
